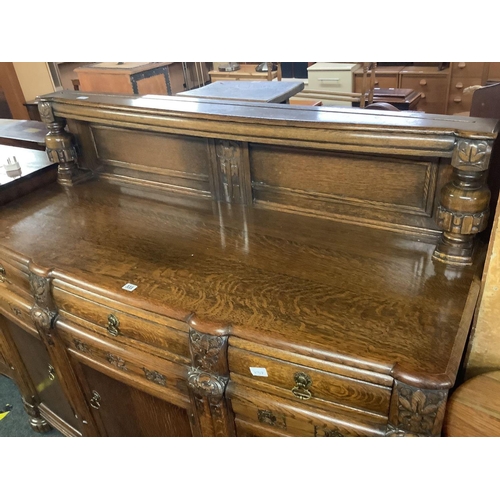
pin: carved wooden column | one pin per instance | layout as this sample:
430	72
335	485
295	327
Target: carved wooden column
44	316
22	379
61	147
464	205
415	411
208	378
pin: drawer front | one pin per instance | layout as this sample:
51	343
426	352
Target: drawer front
467	69
115	322
157	376
17	309
432	89
341	81
458	101
13	276
312	386
381	82
279	416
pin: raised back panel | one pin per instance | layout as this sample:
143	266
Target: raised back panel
168	161
382	189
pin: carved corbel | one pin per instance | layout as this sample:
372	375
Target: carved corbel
43	313
61	147
207	380
415	411
464	203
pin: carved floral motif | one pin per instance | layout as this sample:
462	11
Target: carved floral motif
43	320
418	411
116	361
154	376
471	154
206	349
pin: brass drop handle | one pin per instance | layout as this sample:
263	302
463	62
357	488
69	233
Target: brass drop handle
95	402
52	373
302	383
423	82
113	325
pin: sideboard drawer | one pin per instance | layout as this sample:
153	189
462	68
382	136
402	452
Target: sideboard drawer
312	386
156	375
264	411
116	323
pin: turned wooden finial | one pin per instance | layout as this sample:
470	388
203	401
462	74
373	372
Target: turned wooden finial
61	147
464	203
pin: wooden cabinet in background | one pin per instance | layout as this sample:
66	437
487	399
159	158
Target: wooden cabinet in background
162	78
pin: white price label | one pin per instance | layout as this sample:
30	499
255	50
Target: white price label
129	287
258	372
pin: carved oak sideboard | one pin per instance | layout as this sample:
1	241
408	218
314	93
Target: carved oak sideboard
216	268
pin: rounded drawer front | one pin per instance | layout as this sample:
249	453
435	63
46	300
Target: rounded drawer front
302	384
432	89
115	322
157	375
467	69
12	275
265	415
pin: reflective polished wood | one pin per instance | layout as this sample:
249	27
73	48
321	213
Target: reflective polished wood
248	269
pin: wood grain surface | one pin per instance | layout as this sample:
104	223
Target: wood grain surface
331	290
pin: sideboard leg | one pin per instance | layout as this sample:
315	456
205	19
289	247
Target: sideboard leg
38	424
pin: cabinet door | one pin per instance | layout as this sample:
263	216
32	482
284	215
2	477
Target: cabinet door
37	362
122	410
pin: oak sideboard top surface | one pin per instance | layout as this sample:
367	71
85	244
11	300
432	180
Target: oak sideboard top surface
294	270
327	289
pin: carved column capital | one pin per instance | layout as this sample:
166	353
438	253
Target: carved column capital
416	412
61	147
43	313
470	154
463	208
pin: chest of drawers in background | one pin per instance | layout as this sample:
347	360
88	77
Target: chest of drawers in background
431	83
465	75
332	77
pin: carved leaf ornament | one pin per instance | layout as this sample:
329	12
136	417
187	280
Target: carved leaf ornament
471	152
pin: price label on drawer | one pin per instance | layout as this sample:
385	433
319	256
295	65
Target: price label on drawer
258	372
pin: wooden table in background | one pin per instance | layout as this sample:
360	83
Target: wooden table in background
246	72
36	170
23	133
474	408
162	78
255	91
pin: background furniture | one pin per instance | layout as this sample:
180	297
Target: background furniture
131	78
474	408
244	268
256	91
246	72
36	170
401	99
23	133
332	77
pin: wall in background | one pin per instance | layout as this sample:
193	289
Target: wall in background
34	78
